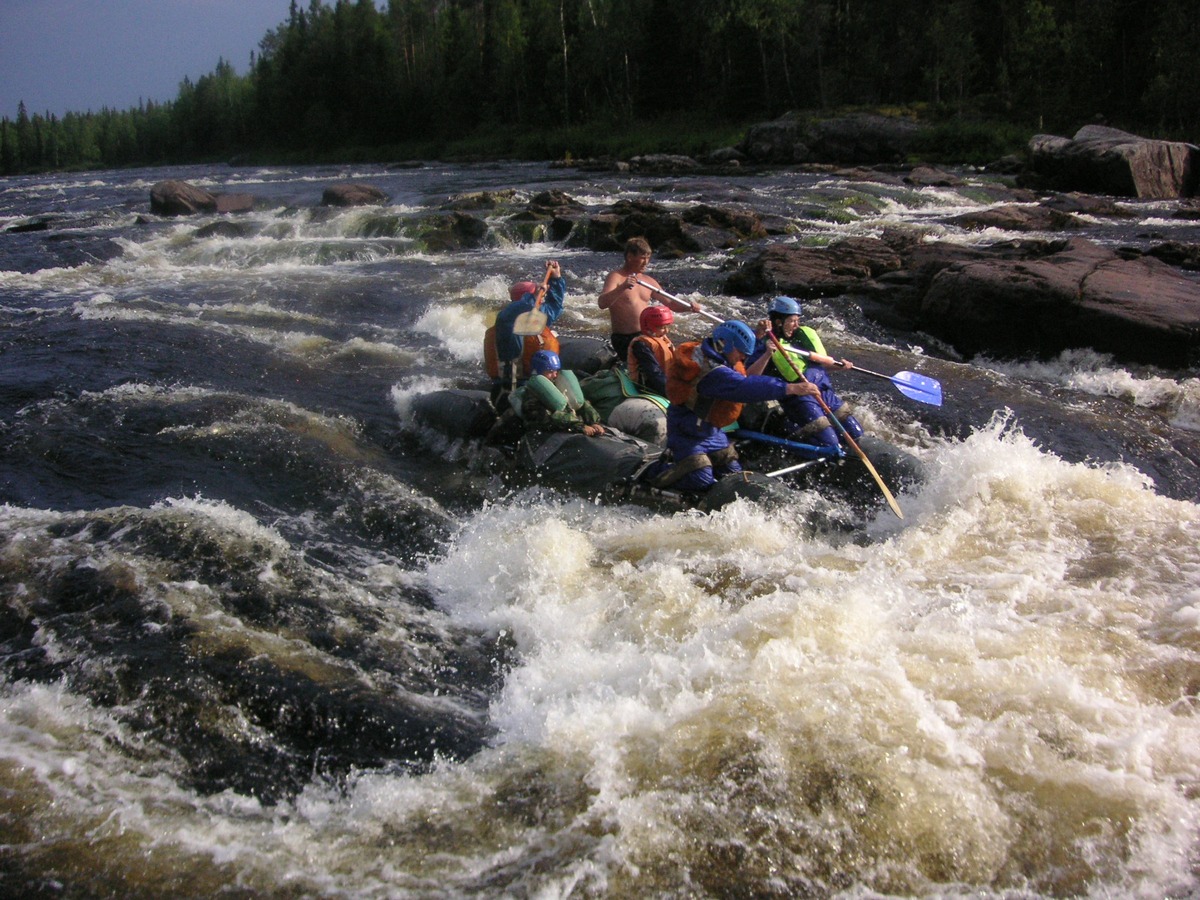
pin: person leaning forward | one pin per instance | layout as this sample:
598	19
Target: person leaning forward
707	385
625	298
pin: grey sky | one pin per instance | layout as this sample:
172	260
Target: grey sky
74	55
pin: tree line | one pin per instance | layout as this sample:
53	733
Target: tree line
368	74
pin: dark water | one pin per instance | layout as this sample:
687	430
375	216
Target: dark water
258	638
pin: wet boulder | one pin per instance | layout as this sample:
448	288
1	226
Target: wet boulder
455	231
813	271
235	203
353	194
1102	160
928	176
224	229
1078	295
671	233
549	215
662	163
1015	217
180	198
1018	298
479	200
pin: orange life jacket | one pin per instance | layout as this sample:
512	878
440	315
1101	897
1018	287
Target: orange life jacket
547	340
663	351
686	368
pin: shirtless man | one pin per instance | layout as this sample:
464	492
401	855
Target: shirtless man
625	299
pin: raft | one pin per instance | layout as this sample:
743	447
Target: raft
613	467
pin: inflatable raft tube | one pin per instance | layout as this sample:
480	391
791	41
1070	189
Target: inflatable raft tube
455	413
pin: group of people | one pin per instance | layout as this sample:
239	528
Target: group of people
707	382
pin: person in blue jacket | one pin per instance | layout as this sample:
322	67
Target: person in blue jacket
707	385
807	420
509	346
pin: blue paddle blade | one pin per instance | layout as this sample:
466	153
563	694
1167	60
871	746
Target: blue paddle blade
921	388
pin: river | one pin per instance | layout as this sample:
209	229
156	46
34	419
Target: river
258	640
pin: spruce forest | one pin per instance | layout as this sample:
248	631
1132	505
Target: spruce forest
360	79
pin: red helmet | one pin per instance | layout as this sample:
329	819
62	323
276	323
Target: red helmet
655	317
520	289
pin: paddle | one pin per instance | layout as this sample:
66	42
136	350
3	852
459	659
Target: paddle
534	321
673	298
816	451
917	387
846	435
921	388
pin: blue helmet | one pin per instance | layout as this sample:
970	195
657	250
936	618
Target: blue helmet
733	335
785	306
544	361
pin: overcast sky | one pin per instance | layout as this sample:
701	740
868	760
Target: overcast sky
77	55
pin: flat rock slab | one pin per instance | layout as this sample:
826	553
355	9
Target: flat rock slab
1017	298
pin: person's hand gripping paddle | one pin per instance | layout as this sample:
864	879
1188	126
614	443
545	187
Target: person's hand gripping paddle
534	321
798	366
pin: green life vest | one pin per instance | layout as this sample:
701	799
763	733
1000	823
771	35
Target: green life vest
607	389
783	362
557	395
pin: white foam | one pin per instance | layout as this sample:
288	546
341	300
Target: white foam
1097	374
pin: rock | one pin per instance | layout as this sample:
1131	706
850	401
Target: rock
781	141
457	231
224	229
862	139
1012	164
927	176
671	234
1100	160
814	271
554	202
1011	217
179	198
1078	295
662	162
36	223
1086	204
353	194
1185	256
1014	298
726	156
553	210
235	203
1189	211
479	200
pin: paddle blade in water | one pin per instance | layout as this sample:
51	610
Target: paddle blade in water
529	323
921	388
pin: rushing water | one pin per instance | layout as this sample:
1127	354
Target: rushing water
259	640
